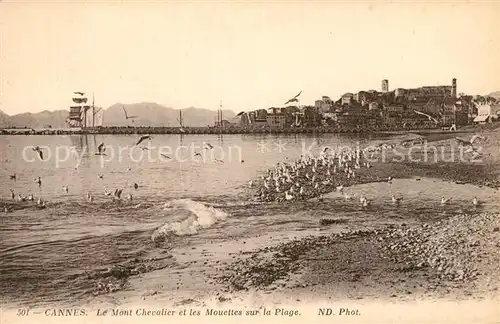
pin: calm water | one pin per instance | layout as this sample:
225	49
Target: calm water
63	251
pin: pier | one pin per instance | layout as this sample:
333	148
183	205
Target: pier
205	130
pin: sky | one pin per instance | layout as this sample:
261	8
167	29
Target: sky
250	55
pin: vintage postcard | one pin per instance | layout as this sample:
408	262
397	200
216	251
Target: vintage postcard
241	162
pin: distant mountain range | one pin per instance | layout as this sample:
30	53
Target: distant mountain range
149	114
57	119
153	114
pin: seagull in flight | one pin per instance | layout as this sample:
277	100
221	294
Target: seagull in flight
126	115
208	146
13	177
118	193
101	149
79	93
165	156
39	150
143	138
294	99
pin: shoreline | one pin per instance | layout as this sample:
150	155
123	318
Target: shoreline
393	260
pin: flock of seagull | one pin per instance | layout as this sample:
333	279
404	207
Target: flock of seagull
309	176
306	178
101	151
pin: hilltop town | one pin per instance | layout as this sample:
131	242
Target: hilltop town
423	107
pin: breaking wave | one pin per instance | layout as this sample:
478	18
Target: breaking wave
201	216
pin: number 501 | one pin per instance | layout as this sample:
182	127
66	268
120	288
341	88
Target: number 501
23	312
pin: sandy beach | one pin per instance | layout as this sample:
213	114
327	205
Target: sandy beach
405	260
366	259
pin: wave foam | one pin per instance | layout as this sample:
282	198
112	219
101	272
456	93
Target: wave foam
203	217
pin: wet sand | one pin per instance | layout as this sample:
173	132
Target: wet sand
403	261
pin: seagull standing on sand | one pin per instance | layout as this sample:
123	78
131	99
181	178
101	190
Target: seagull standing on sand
39	150
143	138
366	202
445	200
65	188
475	201
396	200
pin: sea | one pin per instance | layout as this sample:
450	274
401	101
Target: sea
177	191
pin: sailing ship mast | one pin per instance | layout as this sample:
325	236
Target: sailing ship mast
93	111
219	115
78	111
180	118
